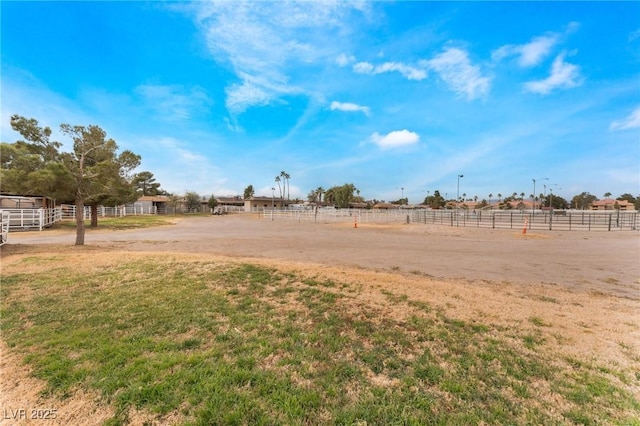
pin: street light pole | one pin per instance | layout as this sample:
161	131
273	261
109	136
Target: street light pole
273	194
534	192
458	201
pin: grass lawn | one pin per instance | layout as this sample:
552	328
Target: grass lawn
236	343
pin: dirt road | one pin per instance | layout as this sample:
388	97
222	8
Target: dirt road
604	262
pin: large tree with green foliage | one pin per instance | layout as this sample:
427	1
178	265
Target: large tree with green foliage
341	196
92	173
100	174
33	165
583	201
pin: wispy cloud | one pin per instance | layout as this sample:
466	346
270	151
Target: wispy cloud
395	139
535	51
563	76
456	70
407	71
173	102
632	121
343	59
260	41
529	54
349	107
452	65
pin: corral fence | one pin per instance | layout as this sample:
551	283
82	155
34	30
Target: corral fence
338	215
69	211
29	219
560	220
4	226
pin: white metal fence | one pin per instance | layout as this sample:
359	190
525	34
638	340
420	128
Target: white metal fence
339	215
30	219
69	211
567	220
4	226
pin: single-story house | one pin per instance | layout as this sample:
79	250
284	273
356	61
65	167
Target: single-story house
611	204
161	202
258	204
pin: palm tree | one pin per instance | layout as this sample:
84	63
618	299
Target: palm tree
607	195
522	196
285	180
278	182
319	191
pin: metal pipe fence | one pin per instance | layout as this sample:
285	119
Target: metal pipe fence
29	219
4	226
559	220
69	211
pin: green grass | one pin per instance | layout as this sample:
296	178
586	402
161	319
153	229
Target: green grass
245	344
120	223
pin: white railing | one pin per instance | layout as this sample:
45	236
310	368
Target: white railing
4	226
28	219
340	215
69	211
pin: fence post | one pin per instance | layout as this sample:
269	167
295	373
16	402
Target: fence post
569	221
493	221
550	219
610	221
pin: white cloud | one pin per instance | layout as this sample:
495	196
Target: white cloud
173	102
632	121
407	71
395	139
343	60
363	68
349	107
563	76
457	71
529	54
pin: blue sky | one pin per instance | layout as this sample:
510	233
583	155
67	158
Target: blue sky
398	98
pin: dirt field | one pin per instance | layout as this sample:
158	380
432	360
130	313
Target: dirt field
584	286
606	262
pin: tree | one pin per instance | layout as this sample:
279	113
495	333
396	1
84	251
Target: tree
277	179
99	174
583	200
434	201
33	166
92	172
285	181
607	195
212	202
192	201
173	201
145	184
248	192
341	196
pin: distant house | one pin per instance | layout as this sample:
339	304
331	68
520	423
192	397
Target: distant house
235	201
160	202
611	204
385	206
258	204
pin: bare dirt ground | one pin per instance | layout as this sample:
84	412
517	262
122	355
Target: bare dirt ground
584	286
